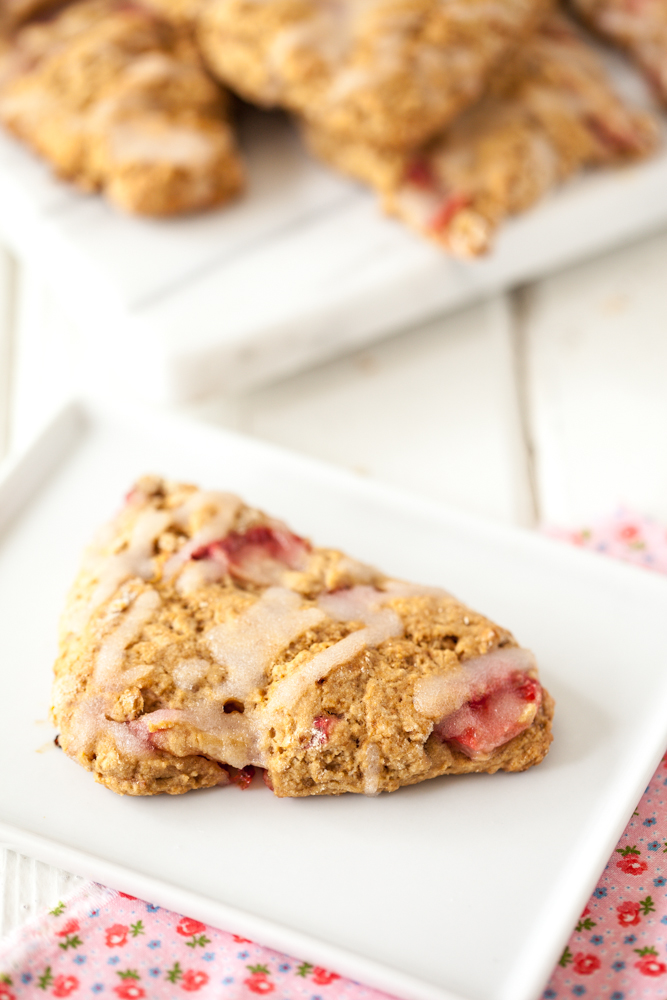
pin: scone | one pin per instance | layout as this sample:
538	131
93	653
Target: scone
550	113
118	101
203	638
182	13
638	26
393	72
16	12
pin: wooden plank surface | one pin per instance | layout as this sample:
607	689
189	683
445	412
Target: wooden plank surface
44	356
433	411
595	341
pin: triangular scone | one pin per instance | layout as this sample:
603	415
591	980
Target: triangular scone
117	100
202	638
639	27
391	71
550	113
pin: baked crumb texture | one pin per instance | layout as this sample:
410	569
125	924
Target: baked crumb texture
459	113
550	112
639	27
117	100
391	71
203	639
16	12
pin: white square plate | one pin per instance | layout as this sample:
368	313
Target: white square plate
462	887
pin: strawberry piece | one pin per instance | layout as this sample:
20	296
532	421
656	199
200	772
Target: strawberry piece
266	778
447	210
482	725
322	728
241	778
259	554
138	728
617	140
420	173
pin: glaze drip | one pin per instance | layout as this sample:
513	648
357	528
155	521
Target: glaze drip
249	644
112	571
441	695
108	667
359	604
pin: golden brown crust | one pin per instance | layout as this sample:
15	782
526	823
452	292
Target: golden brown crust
14	13
118	101
394	71
142	698
639	28
551	112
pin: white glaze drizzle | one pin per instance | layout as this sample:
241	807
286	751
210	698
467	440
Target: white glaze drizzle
371	770
385	625
360	602
109	662
147	139
112	571
332	31
187	673
90	724
239	735
439	696
225	504
198	574
356	604
249	643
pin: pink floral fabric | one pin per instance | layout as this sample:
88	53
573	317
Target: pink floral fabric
105	943
618	949
102	942
634	539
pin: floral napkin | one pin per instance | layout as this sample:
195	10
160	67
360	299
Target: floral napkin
102	942
618	949
106	943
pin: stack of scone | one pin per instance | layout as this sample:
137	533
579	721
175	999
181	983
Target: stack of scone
457	112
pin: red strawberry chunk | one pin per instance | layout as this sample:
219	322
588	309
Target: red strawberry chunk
447	210
241	778
322	728
481	726
420	173
612	136
259	555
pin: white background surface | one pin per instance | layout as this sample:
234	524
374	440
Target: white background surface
548	404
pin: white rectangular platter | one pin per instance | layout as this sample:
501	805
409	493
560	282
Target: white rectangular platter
462	887
302	268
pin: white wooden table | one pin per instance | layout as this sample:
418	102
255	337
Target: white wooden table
546	405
